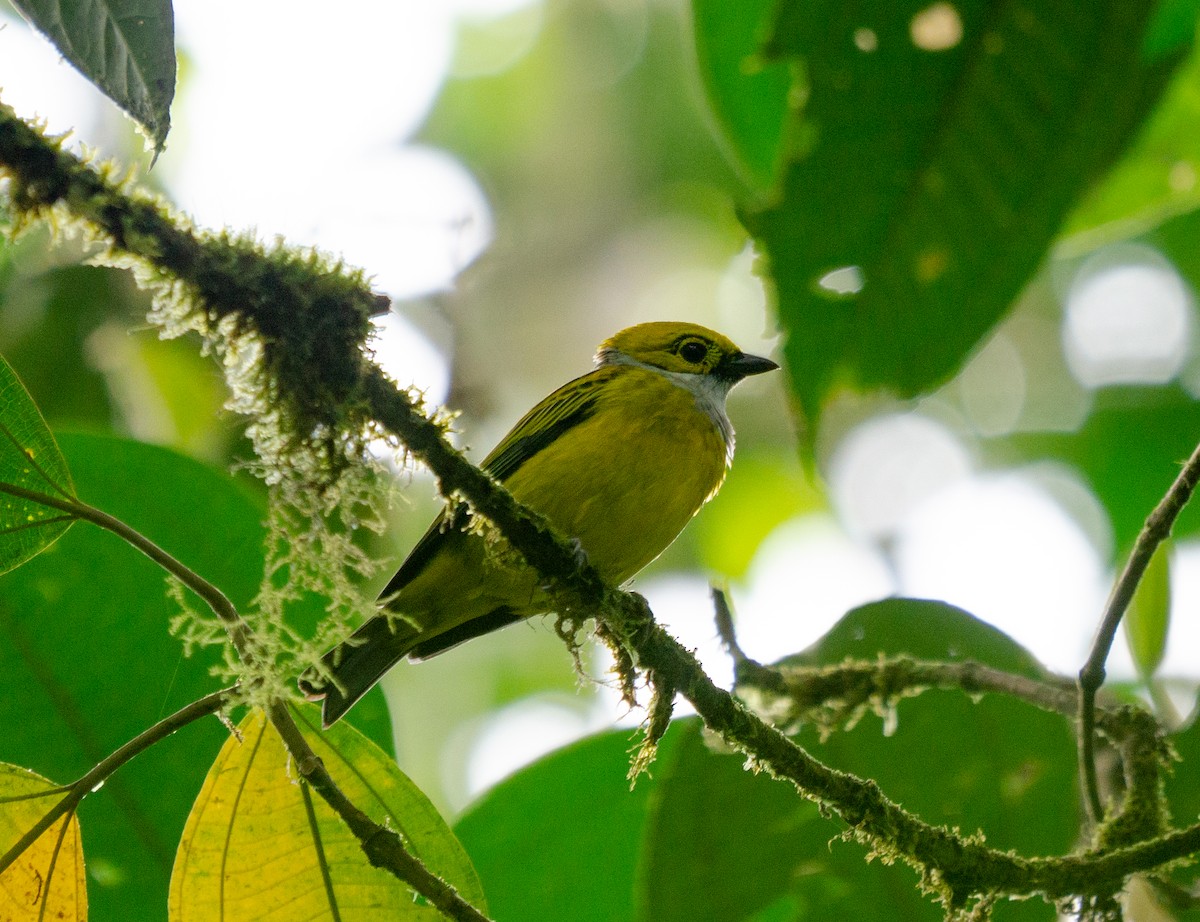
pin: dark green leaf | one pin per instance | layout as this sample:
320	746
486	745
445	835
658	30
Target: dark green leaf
1158	173
125	47
88	661
749	94
560	839
998	764
945	145
1173	27
30	459
724	843
923	628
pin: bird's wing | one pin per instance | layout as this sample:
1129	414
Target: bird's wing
567	407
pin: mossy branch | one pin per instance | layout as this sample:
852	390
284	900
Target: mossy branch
311	320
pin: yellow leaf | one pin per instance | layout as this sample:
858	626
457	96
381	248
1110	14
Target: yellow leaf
260	845
47	881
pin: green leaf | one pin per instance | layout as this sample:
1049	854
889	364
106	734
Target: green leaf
541	859
47	881
29	459
257	844
1173	27
1148	617
89	663
125	47
993	764
748	93
923	628
723	843
996	764
945	145
1157	175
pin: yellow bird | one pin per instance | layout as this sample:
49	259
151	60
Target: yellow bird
619	459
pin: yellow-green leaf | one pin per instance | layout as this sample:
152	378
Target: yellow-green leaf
1149	614
47	881
29	459
261	845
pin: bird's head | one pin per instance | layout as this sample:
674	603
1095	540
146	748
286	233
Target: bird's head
682	349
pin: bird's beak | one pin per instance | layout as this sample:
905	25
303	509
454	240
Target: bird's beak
742	365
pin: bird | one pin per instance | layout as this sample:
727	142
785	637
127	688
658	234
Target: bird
618	460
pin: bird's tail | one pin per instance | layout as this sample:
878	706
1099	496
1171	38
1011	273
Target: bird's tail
354	666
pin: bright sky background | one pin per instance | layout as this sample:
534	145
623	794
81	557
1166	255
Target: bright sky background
247	154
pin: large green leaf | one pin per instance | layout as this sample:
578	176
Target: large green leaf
260	846
30	459
945	144
749	94
1159	172
993	764
88	661
560	839
125	47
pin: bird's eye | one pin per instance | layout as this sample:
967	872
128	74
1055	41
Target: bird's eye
694	352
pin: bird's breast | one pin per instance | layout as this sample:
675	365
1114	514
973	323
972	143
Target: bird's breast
627	480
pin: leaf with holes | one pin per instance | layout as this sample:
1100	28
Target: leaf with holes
46	881
943	146
29	460
260	845
125	47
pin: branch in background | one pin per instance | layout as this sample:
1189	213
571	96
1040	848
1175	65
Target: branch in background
1156	530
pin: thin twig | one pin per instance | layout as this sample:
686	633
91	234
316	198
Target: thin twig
74	793
1156	530
212	596
723	615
